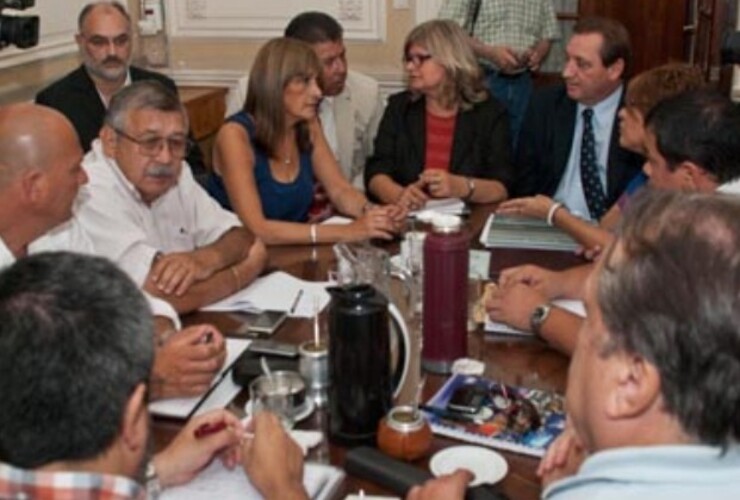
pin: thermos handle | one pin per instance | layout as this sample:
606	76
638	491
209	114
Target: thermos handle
404	344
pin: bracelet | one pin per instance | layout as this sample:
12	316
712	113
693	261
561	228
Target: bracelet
471	188
237	279
551	213
313	234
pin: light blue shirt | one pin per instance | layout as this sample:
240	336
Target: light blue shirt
570	189
678	472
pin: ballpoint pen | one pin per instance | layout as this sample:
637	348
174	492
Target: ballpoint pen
296	301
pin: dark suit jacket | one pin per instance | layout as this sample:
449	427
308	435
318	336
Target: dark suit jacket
76	97
545	143
480	147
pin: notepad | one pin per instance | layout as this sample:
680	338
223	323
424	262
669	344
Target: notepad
508	231
574	306
276	292
216	481
223	389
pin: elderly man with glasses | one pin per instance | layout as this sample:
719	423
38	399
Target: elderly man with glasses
145	212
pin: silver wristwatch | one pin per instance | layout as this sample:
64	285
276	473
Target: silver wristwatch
538	317
153	487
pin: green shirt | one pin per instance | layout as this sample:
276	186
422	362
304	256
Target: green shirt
518	24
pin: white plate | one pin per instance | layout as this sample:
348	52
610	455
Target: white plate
306	411
485	464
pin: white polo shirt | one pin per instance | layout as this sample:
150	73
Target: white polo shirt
130	232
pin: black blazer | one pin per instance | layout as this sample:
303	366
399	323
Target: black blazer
76	97
545	143
480	147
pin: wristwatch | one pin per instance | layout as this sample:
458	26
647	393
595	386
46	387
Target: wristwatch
538	317
153	487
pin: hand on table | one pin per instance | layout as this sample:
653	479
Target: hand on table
544	281
447	487
188	454
377	222
175	273
187	362
533	206
413	197
514	304
442	184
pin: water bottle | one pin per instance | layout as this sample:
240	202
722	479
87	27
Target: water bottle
444	315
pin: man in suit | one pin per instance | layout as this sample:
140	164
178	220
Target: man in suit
104	42
569	146
352	106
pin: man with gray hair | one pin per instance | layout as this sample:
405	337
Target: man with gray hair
40	176
145	211
653	385
75	355
104	40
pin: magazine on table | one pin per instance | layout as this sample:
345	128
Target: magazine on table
494	414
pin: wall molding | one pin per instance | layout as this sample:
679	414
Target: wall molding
363	20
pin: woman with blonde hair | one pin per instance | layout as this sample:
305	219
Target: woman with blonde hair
267	156
445	136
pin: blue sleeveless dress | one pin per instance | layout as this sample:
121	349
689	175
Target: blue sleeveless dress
280	201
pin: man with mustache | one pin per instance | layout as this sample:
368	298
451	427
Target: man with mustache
145	211
105	42
40	176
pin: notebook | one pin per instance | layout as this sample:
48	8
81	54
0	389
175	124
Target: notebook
216	481
508	231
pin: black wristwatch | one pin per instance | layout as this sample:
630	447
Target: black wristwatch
538	317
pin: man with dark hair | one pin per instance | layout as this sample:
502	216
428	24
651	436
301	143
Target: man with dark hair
145	212
352	106
75	355
693	143
40	176
104	40
652	389
569	145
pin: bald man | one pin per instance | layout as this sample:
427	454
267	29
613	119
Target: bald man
40	175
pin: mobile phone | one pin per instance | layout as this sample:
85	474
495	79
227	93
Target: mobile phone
467	399
274	348
264	323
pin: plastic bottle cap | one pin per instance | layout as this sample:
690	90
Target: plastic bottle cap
446	223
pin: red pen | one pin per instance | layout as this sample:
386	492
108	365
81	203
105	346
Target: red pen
209	428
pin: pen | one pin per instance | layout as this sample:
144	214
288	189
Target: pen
296	301
212	428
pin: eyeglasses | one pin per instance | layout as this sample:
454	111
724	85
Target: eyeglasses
99	41
179	146
416	59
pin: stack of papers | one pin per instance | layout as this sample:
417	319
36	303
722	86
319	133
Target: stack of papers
222	391
574	306
507	231
277	292
452	206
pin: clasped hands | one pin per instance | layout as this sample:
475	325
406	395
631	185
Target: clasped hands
432	183
519	291
174	273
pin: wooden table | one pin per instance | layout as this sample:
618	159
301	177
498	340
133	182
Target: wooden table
524	362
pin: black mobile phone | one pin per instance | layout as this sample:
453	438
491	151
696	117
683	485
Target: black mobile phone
264	323
467	399
274	348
